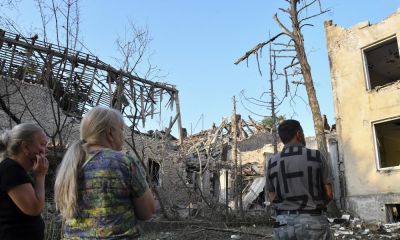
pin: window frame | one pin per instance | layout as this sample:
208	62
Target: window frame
364	57
151	174
376	149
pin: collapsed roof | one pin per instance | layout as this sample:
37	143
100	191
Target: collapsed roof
80	81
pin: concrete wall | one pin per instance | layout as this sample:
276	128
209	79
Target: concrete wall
356	109
254	150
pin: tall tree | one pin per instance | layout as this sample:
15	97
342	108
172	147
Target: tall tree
298	13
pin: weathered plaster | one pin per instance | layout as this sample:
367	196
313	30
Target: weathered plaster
372	208
357	108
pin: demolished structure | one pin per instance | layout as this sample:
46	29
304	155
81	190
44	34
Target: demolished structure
365	75
54	86
73	82
238	185
221	169
212	169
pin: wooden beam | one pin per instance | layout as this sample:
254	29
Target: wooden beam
100	65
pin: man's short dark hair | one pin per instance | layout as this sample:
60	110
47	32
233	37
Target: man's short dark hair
288	129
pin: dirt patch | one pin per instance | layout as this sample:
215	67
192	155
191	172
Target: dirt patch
206	230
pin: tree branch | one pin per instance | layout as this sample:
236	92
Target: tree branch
306	5
257	48
313	16
7	110
284	29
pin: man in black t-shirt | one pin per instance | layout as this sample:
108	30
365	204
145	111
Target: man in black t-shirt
299	184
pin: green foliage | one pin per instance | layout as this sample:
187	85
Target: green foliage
267	121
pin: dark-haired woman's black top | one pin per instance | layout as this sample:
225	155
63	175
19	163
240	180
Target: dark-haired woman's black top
14	224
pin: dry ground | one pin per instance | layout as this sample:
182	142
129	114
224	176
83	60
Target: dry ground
205	230
201	230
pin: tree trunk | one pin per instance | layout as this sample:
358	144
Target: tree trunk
308	81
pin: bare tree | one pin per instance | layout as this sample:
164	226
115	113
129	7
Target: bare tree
9	3
59	18
60	24
298	13
134	58
5	104
132	47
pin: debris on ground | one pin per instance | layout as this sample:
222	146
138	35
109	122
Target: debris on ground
194	230
348	227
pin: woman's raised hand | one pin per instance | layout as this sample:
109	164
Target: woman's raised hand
41	165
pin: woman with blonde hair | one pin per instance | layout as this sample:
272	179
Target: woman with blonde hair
100	191
22	149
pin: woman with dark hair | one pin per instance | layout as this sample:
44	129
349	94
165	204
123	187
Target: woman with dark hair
22	149
100	191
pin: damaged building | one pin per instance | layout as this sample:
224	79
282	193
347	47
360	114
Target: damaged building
54	87
213	169
237	183
365	75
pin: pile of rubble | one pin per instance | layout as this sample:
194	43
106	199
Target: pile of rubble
348	227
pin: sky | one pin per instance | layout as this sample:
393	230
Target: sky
196	43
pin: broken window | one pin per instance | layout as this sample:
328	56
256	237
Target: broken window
154	172
387	136
392	213
382	63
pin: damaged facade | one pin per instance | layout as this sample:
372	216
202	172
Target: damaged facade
365	74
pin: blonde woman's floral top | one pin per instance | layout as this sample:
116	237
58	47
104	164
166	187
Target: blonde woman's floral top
107	185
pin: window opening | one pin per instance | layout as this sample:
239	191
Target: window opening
382	63
154	172
388	143
392	213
